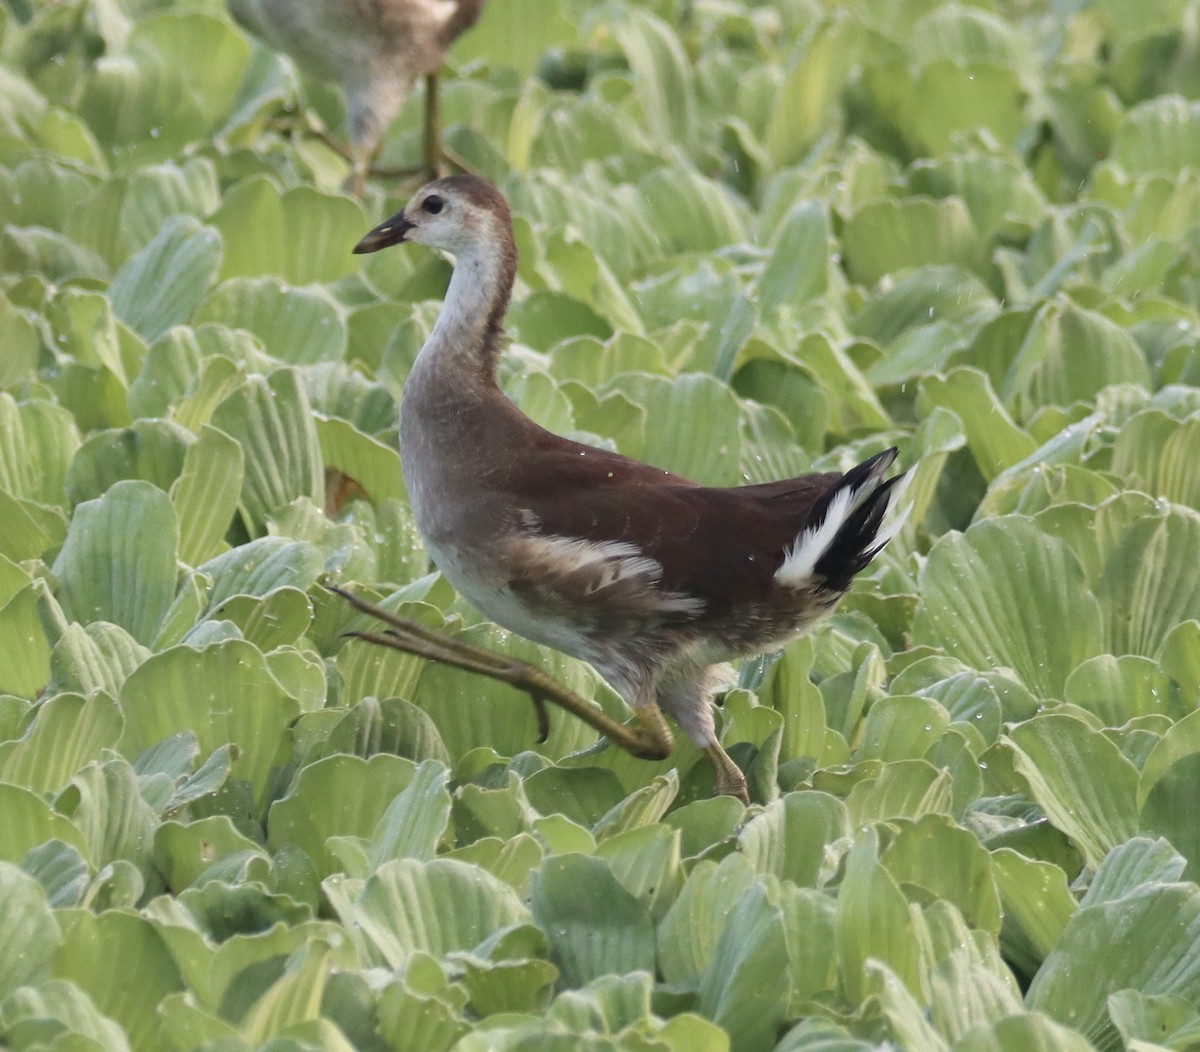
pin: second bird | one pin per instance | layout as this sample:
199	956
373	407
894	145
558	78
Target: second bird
376	49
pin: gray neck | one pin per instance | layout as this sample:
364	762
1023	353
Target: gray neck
457	365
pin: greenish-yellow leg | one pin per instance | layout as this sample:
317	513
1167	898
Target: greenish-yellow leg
647	737
729	779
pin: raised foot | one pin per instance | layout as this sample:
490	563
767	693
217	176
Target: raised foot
648	737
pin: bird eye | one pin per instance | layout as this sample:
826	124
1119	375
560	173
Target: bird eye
433	204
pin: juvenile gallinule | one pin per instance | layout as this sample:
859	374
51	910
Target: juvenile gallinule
376	49
653	579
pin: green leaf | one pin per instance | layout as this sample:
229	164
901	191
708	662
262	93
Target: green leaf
798	268
891	235
60	869
241	702
206	494
415	820
472	711
948	861
19	338
1157	924
118	562
110	953
434	907
955	96
1080	779
808	101
709	456
987	595
791	837
742	989
297	326
24	649
1159	453
646	861
300	234
61	1006
294	998
271	419
208	54
1120	689
374	465
337	796
1143	593
27	923
873	921
104	801
660	68
67	732
1170	809
1127	867
995	441
260	568
587	943
1163	135
517	34
158	192
167	280
688	934
29	821
37	442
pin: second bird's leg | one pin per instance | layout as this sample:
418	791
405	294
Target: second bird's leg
648	737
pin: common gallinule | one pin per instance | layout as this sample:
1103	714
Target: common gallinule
653	579
376	49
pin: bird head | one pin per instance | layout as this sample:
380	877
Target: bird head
456	214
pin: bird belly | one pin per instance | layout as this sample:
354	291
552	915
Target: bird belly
476	581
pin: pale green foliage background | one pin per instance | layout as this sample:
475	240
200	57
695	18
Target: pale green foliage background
755	239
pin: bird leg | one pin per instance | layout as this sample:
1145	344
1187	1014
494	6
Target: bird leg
648	738
433	126
437	153
729	779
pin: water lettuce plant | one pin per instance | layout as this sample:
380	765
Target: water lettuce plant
755	238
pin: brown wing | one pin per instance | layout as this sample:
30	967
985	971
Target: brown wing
719	546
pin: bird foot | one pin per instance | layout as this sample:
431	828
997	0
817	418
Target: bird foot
647	738
729	780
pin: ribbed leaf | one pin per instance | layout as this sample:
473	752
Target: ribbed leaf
167	280
1144	594
791	837
987	596
742	989
67	732
110	953
1080	779
30	821
271	418
240	701
28	928
206	494
873	921
24	649
118	562
297	326
301	235
433	907
1158	928
338	796
587	943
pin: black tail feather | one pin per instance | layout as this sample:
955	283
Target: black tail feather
854	545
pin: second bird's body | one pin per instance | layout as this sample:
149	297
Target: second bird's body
376	49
